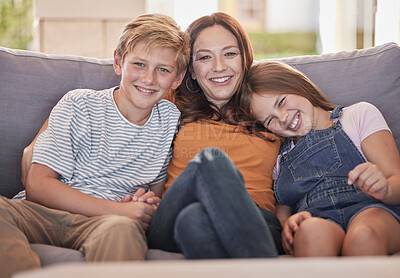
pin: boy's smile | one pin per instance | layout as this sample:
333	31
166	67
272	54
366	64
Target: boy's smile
146	77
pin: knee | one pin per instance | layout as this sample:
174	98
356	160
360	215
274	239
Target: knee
210	154
310	232
193	225
115	238
359	239
309	229
114	225
190	220
214	162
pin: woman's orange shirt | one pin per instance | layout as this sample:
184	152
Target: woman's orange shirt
254	157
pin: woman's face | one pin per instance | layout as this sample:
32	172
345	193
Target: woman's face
217	64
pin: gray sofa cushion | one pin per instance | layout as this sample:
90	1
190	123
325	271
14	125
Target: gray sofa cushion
31	84
347	77
50	255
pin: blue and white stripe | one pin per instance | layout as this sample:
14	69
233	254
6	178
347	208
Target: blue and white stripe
97	151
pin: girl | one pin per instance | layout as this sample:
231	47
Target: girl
338	168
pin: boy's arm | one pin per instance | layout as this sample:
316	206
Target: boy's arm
43	187
26	161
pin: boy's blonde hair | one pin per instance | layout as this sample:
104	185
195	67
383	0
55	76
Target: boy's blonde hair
155	30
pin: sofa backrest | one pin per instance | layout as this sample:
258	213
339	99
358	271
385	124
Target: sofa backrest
32	83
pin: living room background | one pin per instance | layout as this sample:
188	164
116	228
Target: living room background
277	28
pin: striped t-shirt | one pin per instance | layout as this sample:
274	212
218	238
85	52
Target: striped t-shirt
97	151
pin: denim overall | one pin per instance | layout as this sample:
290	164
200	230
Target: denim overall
313	176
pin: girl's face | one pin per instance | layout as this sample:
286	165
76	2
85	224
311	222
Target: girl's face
288	115
217	64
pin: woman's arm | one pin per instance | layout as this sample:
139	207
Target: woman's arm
380	176
26	161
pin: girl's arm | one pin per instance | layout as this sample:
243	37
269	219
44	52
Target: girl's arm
380	176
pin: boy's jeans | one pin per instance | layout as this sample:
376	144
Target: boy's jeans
100	238
208	213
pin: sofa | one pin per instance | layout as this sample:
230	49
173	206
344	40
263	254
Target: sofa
32	83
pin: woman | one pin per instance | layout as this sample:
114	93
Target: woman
209	211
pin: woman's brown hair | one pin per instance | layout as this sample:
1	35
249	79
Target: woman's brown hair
189	97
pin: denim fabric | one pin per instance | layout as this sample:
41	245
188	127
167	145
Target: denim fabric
313	176
208	213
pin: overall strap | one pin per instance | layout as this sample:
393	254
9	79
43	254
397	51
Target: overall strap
335	114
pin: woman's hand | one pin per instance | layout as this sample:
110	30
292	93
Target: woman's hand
370	179
290	227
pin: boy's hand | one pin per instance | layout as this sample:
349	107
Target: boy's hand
370	179
290	227
139	211
142	196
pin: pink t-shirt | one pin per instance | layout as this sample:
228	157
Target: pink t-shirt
359	121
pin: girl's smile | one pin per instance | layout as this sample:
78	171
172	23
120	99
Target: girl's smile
288	115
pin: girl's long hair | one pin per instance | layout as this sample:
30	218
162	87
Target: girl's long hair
272	77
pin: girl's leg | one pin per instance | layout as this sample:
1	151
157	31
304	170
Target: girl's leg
213	180
373	231
318	237
189	232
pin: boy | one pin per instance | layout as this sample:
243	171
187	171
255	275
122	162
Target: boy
99	147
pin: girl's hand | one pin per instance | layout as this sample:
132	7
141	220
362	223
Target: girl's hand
370	179
290	227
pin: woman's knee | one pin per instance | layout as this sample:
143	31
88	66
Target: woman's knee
217	170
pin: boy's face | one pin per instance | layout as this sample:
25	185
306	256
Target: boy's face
146	77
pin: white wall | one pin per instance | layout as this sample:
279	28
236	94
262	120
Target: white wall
387	21
83	27
183	11
291	16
